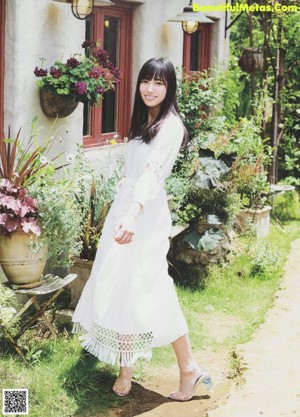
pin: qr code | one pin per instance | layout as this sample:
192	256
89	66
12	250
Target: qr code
15	401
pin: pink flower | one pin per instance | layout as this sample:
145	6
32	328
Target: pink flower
3	218
11	203
11	224
29	224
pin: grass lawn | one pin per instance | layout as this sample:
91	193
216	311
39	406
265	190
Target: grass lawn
64	380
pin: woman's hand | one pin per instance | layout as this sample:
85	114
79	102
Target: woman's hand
125	230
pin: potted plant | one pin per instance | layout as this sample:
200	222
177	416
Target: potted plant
31	226
248	174
95	193
82	78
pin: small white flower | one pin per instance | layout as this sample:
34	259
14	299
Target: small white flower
116	136
125	139
43	160
298	111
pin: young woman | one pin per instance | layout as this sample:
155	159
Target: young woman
129	305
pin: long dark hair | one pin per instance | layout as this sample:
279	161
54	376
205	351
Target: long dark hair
159	69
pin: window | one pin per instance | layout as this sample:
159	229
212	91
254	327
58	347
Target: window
197	49
113	26
2	33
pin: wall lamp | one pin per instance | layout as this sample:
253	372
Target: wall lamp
190	20
82	9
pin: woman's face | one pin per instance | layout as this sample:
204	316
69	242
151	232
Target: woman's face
153	92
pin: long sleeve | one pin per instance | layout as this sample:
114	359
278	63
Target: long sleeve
160	161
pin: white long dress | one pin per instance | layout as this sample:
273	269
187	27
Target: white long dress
129	304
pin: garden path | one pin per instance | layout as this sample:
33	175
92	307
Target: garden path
269	384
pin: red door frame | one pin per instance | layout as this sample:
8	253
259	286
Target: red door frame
204	57
125	13
2	44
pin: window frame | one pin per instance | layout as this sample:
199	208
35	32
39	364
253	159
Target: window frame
204	55
125	13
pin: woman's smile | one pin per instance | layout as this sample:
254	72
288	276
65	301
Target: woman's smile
153	92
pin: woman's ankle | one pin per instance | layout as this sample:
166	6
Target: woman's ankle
190	369
125	372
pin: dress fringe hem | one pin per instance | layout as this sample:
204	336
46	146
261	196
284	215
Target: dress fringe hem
106	353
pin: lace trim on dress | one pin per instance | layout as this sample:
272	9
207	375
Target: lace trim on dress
114	348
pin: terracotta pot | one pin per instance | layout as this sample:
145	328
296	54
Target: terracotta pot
54	105
20	264
251	59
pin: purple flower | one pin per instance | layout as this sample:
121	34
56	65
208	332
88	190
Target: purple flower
95	72
56	73
80	87
72	63
88	44
100	90
40	72
101	56
116	73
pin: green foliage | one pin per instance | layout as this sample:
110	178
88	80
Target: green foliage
59	215
207	242
183	210
287	206
264	261
94	194
250	156
220	202
7	311
200	98
210	173
270	31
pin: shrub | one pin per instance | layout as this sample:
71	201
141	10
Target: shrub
287	206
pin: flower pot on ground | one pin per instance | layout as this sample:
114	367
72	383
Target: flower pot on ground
54	105
22	265
259	217
33	200
82	268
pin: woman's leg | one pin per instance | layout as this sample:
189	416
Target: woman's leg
189	370
122	384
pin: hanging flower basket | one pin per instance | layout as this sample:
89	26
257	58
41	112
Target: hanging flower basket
251	60
54	105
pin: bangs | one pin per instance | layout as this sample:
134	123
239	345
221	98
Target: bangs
154	69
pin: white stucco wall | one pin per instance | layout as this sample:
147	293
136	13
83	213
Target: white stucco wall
37	29
44	28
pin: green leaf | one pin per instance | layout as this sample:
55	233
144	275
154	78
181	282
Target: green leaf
210	239
193	238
